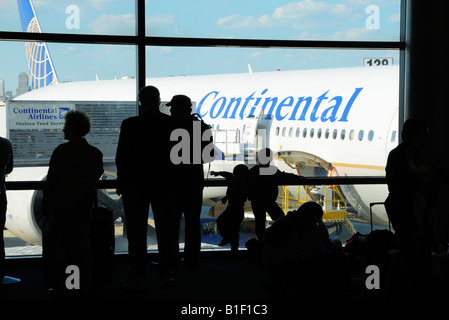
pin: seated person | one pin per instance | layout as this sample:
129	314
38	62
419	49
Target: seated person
298	244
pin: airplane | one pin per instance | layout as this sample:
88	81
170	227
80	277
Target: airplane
341	121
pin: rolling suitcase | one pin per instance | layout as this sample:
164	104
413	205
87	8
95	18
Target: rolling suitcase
102	242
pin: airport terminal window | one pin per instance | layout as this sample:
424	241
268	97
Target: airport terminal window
76	17
232	38
285	20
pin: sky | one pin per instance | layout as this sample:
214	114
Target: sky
247	19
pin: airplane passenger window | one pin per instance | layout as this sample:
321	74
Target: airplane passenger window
312	132
277	131
326	134
351	135
320	131
290	132
304	133
393	136
284	129
370	135
343	134
361	133
334	134
298	132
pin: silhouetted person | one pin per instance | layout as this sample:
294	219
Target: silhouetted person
6	166
229	221
191	147
298	247
263	192
410	174
74	170
143	173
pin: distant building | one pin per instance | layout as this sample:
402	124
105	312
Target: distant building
23	84
2	89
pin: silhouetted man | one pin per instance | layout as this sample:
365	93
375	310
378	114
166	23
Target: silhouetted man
191	147
6	166
263	189
143	169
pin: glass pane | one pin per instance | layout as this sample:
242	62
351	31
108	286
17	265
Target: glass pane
187	61
315	91
286	20
342	216
98	79
64	16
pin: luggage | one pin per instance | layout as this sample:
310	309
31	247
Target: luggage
102	242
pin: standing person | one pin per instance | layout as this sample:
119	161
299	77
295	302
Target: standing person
142	157
229	221
264	188
6	166
410	173
188	156
74	170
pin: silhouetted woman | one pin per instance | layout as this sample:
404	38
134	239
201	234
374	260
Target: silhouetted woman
75	167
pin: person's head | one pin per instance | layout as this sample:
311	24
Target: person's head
311	213
181	106
415	133
77	124
149	98
240	171
264	157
